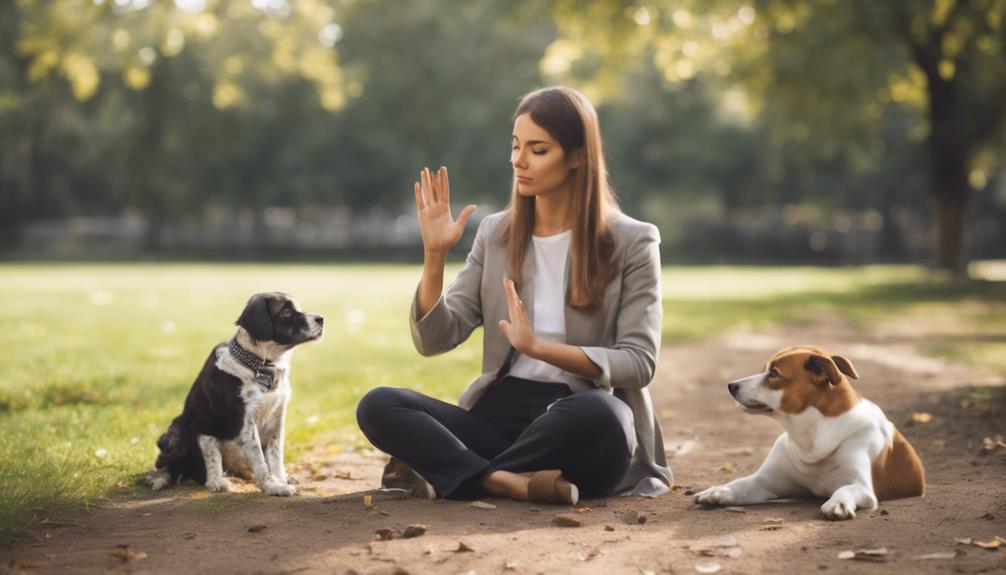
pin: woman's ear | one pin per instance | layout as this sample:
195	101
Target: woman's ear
575	159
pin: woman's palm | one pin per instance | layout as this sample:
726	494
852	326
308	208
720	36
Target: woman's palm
439	229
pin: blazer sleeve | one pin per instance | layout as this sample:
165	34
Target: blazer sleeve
458	311
631	361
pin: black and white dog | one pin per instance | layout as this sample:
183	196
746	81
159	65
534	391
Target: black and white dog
233	416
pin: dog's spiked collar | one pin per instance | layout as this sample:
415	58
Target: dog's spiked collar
264	372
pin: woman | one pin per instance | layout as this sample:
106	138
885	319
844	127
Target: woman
568	289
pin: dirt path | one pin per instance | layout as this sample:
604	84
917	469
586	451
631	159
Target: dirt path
328	529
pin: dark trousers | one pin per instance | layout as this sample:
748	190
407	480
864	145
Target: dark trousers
517	425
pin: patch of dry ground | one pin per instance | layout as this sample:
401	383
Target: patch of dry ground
329	529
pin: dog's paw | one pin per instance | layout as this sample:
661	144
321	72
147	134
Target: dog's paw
221	486
158	479
837	509
278	489
718	495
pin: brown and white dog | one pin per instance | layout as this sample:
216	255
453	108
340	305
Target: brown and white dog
234	414
837	445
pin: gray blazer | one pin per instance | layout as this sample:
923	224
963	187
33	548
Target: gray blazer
622	337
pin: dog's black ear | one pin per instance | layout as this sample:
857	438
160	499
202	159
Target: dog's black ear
823	365
256	319
845	366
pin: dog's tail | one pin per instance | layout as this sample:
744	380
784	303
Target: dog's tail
175	442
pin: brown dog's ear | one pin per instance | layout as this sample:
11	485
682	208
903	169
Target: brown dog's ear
845	366
255	318
823	365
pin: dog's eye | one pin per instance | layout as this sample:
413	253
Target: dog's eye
285	314
774	372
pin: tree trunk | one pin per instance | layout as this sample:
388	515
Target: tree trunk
949	152
951	213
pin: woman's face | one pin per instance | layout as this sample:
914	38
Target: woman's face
540	166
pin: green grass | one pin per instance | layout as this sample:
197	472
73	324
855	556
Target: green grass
96	359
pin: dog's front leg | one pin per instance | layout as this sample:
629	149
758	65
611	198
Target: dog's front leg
251	448
274	441
771	481
857	493
844	502
748	490
215	480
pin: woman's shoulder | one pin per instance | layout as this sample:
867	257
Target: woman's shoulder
626	229
492	225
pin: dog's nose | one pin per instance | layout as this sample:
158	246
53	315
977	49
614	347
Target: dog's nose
320	320
733	387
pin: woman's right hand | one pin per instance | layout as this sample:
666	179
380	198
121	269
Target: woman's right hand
438	227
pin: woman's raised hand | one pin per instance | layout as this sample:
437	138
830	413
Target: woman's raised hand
438	227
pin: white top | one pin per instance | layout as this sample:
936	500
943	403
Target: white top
549	317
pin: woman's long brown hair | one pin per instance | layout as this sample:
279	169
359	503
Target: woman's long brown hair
568	116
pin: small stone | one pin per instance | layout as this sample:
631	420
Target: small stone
609	528
989	516
464	548
256	528
413	531
384	513
189	536
884	512
634	517
481	505
567	521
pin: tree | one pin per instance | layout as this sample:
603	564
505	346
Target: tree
822	72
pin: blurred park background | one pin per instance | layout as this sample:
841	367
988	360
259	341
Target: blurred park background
807	161
786	131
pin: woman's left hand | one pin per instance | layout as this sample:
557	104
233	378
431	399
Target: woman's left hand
518	329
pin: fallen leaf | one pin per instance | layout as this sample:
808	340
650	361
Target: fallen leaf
125	553
875	555
989	516
368	501
921	417
609	528
567	521
20	565
949	555
256	529
735	509
481	505
589	554
510	565
199	495
991	544
727	468
385	534
582	510
319	477
707	567
413	531
122	485
189	536
773	521
964	540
